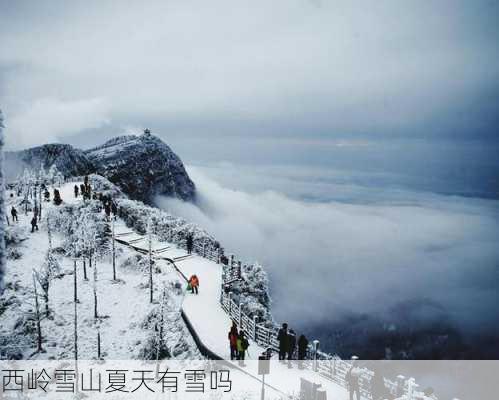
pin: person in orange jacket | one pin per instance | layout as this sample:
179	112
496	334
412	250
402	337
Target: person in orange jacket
194	281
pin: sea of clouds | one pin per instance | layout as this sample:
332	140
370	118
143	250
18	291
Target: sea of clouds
364	253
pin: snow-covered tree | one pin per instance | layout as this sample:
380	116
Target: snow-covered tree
75	333
46	273
151	262
52	175
157	322
94	288
38	317
49	231
87	233
113	249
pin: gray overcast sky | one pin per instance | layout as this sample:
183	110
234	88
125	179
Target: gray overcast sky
281	68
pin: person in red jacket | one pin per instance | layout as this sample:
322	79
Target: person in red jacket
233	335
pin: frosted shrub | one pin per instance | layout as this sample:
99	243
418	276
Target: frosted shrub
13	253
15	234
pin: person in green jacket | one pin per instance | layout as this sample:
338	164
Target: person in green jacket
242	346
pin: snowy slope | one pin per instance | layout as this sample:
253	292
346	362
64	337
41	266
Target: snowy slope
68	160
123	305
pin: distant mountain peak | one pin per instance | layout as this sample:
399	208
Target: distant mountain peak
143	166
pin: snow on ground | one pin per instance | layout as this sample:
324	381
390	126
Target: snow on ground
212	324
123	305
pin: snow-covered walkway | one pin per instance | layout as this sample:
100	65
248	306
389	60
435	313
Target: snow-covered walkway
212	324
206	315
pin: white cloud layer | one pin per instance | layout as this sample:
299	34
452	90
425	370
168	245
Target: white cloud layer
328	259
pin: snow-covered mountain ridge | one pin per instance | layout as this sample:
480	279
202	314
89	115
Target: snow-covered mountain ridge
143	166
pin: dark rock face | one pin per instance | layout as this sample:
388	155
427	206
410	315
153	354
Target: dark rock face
142	166
68	160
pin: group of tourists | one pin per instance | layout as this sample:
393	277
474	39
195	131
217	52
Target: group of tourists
288	344
84	190
36	210
34	220
238	344
110	207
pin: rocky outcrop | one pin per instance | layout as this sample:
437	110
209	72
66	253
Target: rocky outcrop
143	167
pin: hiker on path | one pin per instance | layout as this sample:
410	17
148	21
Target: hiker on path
82	190
114	209
107	209
189	244
291	345
242	347
233	335
283	339
13	212
76	190
302	350
194	282
34	224
57	197
352	378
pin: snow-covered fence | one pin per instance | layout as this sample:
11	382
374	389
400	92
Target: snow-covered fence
232	271
327	365
258	332
168	228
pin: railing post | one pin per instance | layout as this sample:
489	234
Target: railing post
240	315
316	351
255	318
411	385
400	386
